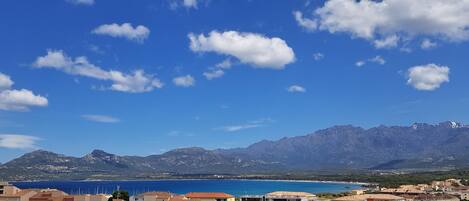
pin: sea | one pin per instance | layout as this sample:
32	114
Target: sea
234	187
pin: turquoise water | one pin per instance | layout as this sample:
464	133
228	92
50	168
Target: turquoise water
234	187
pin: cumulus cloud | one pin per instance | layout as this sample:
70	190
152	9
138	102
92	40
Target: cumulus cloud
296	89
125	30
5	81
100	118
18	100
427	77
251	48
386	22
13	141
184	81
377	59
388	42
135	82
225	64
214	73
81	2
219	69
427	44
308	24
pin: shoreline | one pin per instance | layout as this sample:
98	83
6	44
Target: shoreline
197	179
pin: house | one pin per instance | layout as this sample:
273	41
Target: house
152	196
9	192
289	196
8	189
358	192
431	197
209	196
370	197
408	189
21	195
51	195
252	198
447	185
88	197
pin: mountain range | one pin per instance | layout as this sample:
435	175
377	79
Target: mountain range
419	146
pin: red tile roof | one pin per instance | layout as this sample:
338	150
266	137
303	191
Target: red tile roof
159	194
208	195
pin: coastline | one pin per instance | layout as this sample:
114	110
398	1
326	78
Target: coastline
197	179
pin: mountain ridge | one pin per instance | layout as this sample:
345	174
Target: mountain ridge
344	147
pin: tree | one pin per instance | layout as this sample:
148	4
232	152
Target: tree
119	194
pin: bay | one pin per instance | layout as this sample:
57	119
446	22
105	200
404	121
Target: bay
234	187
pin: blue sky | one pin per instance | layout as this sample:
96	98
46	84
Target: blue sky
143	77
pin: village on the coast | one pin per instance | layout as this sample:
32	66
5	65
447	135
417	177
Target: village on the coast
447	190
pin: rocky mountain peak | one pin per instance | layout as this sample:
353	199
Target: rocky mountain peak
451	124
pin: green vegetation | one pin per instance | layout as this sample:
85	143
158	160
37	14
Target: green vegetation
124	195
332	195
384	179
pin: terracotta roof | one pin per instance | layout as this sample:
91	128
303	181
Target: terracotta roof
157	194
202	195
430	197
19	193
178	198
289	194
369	196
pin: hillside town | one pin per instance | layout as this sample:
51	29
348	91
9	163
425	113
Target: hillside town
447	190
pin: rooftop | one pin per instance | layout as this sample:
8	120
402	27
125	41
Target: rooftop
202	195
289	194
369	196
158	194
430	197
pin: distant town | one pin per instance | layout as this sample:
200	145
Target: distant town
446	190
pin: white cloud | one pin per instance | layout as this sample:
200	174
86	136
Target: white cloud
388	42
385	22
5	82
212	74
308	24
251	48
135	82
100	118
427	44
318	56
13	141
20	100
239	127
81	2
190	3
377	59
17	100
360	63
427	77
125	30
184	81
296	89
225	64
252	124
